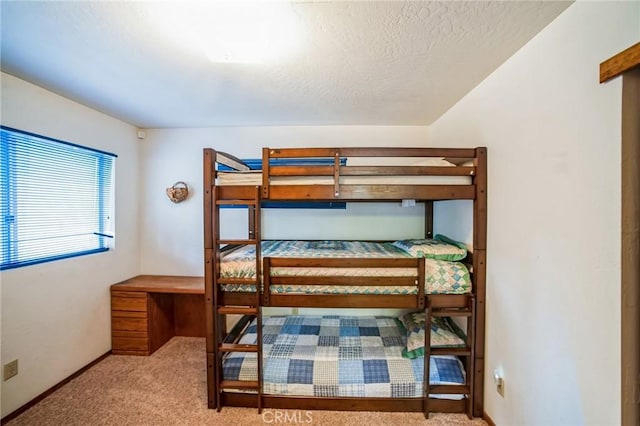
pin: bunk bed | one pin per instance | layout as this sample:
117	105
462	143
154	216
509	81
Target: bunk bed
297	361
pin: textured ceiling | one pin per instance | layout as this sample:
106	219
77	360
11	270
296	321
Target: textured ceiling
356	63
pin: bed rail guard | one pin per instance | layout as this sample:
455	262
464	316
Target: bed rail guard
414	281
367	162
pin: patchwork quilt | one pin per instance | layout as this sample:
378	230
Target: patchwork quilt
442	277
338	356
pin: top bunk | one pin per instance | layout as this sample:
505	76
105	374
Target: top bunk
350	174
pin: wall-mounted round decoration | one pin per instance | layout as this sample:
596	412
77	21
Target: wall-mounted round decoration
178	192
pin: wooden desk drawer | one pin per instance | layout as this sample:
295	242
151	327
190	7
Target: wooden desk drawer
138	304
127	323
130	343
129	314
129	334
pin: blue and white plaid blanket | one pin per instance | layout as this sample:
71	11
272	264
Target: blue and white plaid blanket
338	356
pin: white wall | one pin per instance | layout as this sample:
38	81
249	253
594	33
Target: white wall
553	138
56	315
171	234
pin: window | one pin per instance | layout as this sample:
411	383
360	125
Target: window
256	164
56	199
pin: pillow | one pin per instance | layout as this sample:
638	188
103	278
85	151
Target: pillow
444	333
444	277
438	248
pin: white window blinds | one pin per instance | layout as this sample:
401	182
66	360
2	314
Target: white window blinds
56	199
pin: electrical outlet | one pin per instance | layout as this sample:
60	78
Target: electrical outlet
500	387
10	369
498	378
295	311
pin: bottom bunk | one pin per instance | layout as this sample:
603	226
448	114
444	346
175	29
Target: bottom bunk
348	363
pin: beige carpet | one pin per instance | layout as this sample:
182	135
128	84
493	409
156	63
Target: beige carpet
169	388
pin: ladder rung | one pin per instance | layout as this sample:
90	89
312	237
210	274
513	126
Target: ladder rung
449	389
451	313
237	347
238	384
240	241
450	351
238	310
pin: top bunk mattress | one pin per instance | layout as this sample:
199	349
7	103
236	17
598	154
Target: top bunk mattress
441	277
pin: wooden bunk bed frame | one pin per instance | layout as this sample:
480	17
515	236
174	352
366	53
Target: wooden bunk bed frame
220	303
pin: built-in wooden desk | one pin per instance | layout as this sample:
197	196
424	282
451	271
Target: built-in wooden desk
148	310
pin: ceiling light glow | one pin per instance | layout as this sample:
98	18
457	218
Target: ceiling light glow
231	32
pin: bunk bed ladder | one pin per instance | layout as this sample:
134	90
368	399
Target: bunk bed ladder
467	352
230	343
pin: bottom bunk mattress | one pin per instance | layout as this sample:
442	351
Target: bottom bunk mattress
338	356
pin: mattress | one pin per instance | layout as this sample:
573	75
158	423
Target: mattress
338	356
442	277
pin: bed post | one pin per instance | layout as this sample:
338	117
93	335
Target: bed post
479	273
426	384
208	181
256	225
428	219
266	161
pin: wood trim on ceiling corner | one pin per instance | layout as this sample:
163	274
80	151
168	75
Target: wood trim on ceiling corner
620	63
